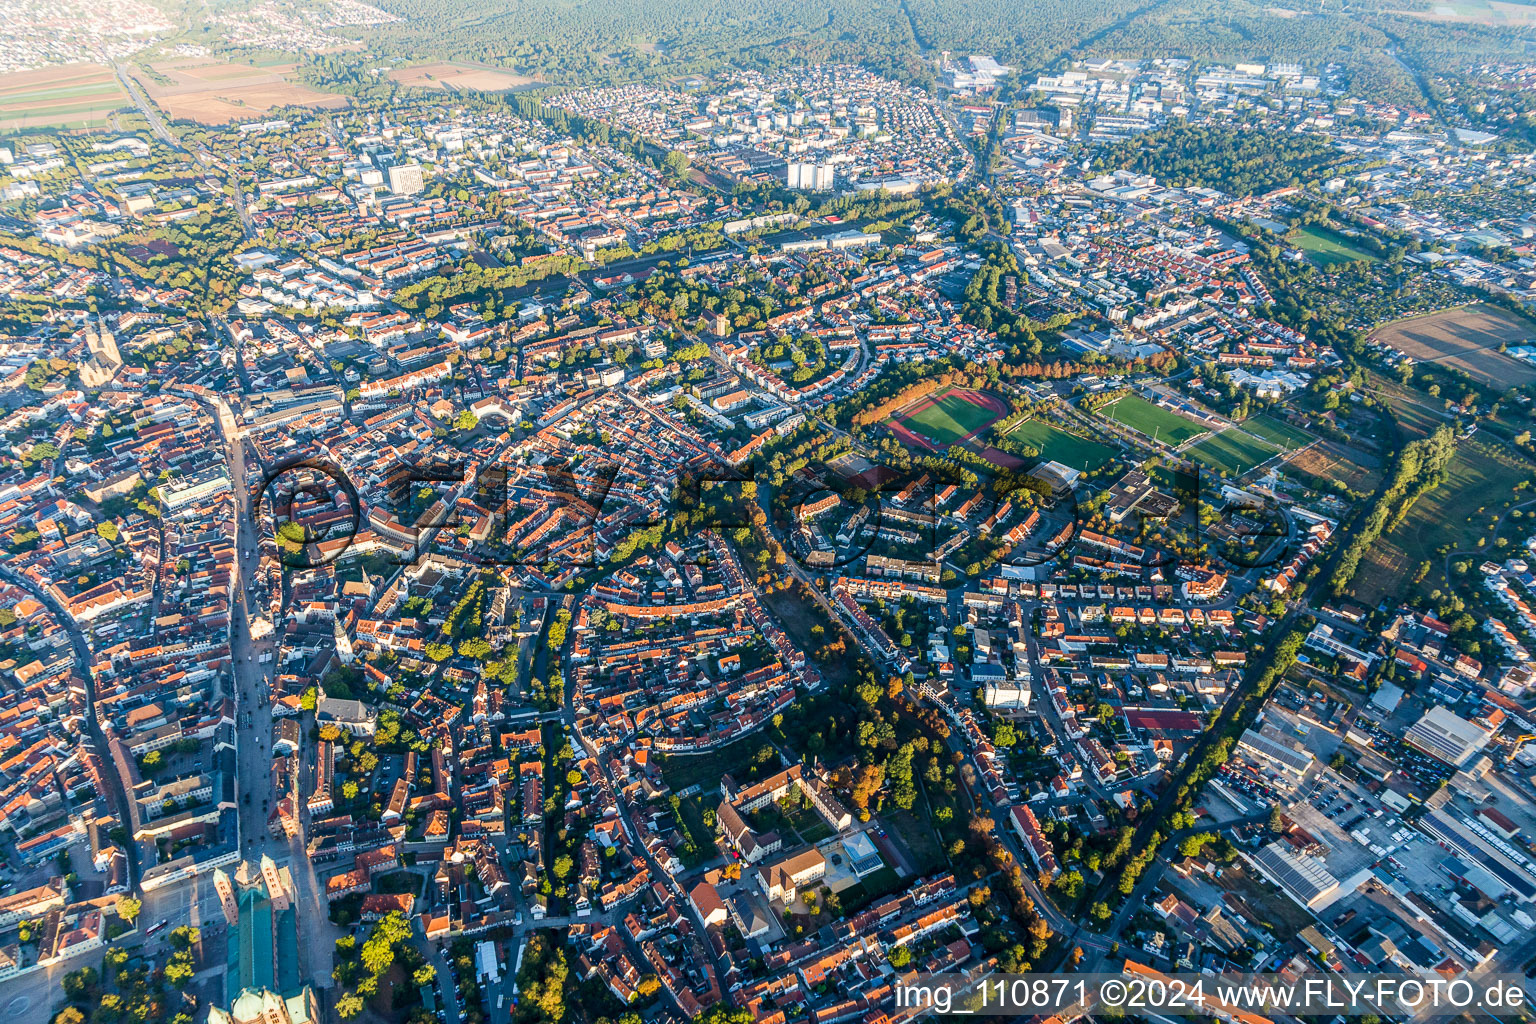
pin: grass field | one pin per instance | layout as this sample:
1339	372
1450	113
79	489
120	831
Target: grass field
705	769
65	96
1062	446
1152	420
1483	476
1277	432
693	816
1326	248
1411	409
945	419
1232	451
1466	338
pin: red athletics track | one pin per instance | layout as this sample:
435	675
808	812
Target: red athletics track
897	425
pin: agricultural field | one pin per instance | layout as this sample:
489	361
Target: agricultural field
1232	452
1325	248
66	96
936	422
1482	476
1494	13
1326	462
1466	338
459	77
1061	446
214	93
1152	420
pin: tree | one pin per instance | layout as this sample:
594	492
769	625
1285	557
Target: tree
543	976
1069	884
109	1009
178	970
107	531
424	975
377	955
475	647
900	957
69	1015
79	984
349	1006
128	908
1192	845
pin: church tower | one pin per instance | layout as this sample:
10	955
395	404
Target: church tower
343	639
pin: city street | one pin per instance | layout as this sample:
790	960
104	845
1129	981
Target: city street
317	935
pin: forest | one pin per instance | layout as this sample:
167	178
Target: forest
572	43
1236	162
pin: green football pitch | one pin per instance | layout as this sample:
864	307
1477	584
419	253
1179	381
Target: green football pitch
1062	446
1154	421
1232	451
947	419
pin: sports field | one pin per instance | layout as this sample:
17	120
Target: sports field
1325	248
1152	420
1277	431
1061	446
938	421
1232	451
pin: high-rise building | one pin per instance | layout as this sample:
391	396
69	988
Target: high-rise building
405	179
808	176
